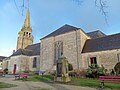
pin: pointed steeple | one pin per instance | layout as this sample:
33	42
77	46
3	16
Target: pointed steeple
27	19
25	36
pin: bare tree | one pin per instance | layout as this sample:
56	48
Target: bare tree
100	4
23	4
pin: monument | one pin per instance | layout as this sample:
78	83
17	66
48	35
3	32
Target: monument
62	74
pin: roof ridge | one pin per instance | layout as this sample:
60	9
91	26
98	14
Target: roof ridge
107	36
103	43
64	29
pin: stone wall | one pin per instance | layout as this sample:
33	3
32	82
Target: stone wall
23	63
71	49
37	63
107	58
5	64
0	65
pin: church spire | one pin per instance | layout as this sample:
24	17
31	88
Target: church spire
25	36
27	19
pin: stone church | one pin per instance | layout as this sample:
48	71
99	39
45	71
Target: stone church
80	48
27	55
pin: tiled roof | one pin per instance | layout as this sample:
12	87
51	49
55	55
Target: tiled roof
101	44
30	50
64	29
96	34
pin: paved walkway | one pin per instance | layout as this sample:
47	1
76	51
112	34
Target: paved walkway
30	85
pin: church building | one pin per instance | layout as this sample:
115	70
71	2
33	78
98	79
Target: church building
80	48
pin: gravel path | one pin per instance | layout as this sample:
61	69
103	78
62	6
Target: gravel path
30	85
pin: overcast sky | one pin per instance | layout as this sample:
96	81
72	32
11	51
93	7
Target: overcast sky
49	15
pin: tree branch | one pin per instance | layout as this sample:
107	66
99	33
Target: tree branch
102	5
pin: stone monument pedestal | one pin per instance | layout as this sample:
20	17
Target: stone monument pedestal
62	74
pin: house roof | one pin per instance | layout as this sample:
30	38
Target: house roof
64	29
22	52
96	34
2	57
30	50
35	48
104	43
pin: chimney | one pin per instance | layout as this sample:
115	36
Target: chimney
13	51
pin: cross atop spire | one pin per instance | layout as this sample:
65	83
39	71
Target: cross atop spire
27	19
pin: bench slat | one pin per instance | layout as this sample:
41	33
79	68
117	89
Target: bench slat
109	77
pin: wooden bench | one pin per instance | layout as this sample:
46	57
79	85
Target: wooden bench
103	78
21	75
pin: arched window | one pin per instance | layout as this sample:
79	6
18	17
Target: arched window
29	34
58	50
34	62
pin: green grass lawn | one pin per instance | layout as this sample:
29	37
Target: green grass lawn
92	83
5	85
76	81
39	78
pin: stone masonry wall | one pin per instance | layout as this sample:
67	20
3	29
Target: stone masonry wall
37	63
107	58
71	49
23	63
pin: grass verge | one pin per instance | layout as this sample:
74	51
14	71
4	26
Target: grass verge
76	81
6	85
92	83
39	78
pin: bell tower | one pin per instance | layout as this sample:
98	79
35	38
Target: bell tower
25	36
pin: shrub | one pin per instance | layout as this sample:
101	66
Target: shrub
117	68
72	74
5	71
94	71
70	67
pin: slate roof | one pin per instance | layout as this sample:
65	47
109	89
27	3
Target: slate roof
30	50
96	34
2	57
64	29
35	48
22	52
101	44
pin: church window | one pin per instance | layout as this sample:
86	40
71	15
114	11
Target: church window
34	62
93	60
27	33
58	50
